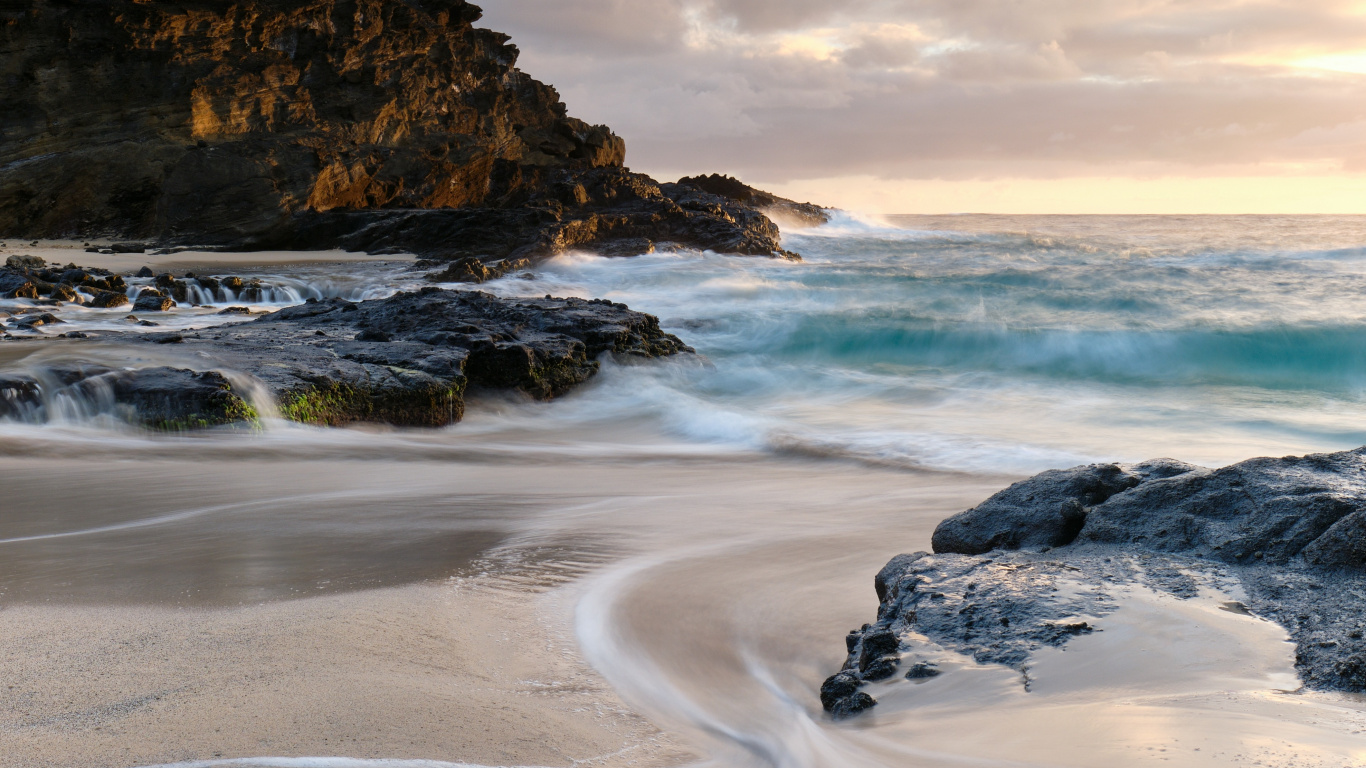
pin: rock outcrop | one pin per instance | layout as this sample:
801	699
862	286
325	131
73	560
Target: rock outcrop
160	398
217	120
315	124
778	208
1291	532
405	360
29	277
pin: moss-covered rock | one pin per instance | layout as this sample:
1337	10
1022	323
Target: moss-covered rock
405	360
337	403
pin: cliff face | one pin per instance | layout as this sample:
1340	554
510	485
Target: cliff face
222	121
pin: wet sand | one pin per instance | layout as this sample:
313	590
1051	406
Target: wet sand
70	251
155	610
421	672
488	598
151	608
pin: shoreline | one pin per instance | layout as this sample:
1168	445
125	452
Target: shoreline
481	668
73	251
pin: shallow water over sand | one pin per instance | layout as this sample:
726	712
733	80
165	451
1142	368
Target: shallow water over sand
713	595
703	535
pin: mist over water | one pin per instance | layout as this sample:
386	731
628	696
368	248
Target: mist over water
716	522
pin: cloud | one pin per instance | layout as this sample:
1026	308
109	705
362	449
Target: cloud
778	90
602	30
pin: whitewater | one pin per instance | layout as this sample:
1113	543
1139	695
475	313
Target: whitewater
696	535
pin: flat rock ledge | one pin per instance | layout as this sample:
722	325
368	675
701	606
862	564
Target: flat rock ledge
1040	563
406	360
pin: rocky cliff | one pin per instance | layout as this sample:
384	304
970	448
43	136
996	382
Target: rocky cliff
256	124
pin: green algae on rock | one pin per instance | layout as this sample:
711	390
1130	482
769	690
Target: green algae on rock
406	361
333	404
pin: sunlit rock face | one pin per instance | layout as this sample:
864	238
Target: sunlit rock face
219	121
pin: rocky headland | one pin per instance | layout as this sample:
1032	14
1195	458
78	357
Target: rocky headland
1041	562
372	125
377	126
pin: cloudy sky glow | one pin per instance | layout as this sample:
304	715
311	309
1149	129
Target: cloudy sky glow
975	105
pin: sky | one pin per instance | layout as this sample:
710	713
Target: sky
1004	106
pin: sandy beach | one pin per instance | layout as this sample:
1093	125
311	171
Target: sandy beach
462	669
178	261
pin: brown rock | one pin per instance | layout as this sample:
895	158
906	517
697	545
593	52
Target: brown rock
16	285
108	300
62	292
172	287
780	208
151	303
217	121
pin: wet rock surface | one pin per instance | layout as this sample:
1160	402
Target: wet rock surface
606	210
778	208
161	398
30	277
405	360
1040	562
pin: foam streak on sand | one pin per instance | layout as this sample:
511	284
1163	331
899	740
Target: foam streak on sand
173	517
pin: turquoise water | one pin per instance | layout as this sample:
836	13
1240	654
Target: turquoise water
712	567
991	343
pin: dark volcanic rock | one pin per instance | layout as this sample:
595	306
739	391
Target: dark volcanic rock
473	270
842	698
24	262
607	210
62	292
37	319
405	353
16	285
165	399
778	208
150	301
1014	574
368	125
1047	510
218	120
108	300
171	287
405	360
1267	510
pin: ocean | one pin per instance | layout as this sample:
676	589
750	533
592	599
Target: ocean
700	532
1005	343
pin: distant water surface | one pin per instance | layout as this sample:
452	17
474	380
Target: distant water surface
1007	343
